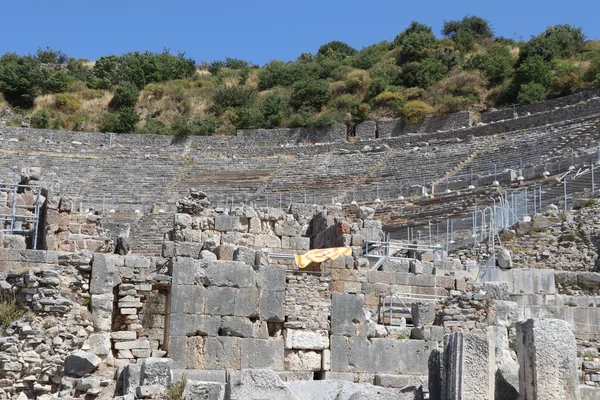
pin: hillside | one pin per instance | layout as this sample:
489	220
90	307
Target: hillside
411	76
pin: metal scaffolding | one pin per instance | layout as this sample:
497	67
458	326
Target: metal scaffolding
18	222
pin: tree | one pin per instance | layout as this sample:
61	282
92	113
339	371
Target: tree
476	27
560	41
534	70
21	79
531	92
310	93
124	121
225	97
337	50
416	38
414	112
370	55
275	109
51	56
126	95
496	65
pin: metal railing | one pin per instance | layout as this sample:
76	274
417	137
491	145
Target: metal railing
405	307
15	221
388	250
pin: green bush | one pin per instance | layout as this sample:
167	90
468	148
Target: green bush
391	100
496	64
337	50
40	119
279	73
125	95
21	79
416	38
386	74
67	103
423	74
249	118
562	41
183	126
124	121
475	27
224	97
154	126
534	69
414	112
275	109
531	92
9	313
370	55
328	119
310	93
566	79
51	56
175	392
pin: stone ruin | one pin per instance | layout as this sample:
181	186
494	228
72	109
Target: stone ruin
225	310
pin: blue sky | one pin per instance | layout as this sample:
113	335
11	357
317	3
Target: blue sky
260	30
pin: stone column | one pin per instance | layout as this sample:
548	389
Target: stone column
467	368
547	354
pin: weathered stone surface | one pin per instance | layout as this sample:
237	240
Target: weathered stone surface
496	290
262	353
227	273
236	326
100	343
343	390
423	313
150	391
199	390
187	299
467	368
245	255
156	371
548	360
257	385
347	311
308	339
302	360
105	273
102	307
227	223
80	363
504	259
365	212
220	300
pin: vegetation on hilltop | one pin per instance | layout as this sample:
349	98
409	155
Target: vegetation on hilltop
413	75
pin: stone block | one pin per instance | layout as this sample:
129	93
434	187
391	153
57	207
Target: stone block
468	370
271	306
227	223
102	308
389	128
228	273
80	363
182	221
204	390
339	353
183	324
496	290
138	262
245	255
210	352
547	353
236	326
100	343
187	299
347	311
225	252
259	384
105	273
302	360
299	243
246	303
123	335
156	371
287	228
133	344
182	271
130	378
268	241
366	130
423	313
308	339
188	249
220	300
262	353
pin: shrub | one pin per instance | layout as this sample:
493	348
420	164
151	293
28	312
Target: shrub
279	73
562	41
67	103
154	126
474	26
370	55
531	92
124	121
40	119
224	97
386	74
423	74
51	56
496	65
309	93
182	126
21	79
175	392
534	69
303	118
357	81
337	50
125	95
327	119
9	313
414	112
391	100
416	38
80	122
275	109
249	118
565	79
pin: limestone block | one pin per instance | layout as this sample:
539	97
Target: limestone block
100	343
105	273
254	225
156	371
133	344
80	363
287	228
182	221
246	303
347	312
496	290
225	252
204	390
183	324
227	223
210	352
129	378
262	353
182	270
503	259
302	360
138	262
547	354
187	299
271	306
308	339
257	384
364	212
436	373
150	391
220	300
245	255
236	326
188	249
467	368
102	307
423	313
123	335
208	255
228	273
269	241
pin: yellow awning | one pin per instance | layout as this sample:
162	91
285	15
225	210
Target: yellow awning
320	255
